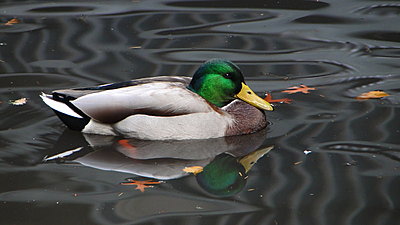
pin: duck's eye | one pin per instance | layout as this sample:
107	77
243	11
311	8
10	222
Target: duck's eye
228	75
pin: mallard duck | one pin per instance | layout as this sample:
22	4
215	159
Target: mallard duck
215	102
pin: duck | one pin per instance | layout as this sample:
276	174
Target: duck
215	102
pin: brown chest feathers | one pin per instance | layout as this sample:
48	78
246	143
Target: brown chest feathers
248	119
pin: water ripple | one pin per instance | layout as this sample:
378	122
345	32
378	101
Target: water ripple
21	27
380	10
62	9
250	43
276	4
392	36
389	52
358	147
323	19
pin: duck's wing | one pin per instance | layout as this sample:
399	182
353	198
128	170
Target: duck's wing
110	103
157	99
75	93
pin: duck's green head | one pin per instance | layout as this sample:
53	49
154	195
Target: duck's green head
220	81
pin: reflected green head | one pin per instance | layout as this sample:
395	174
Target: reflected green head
223	177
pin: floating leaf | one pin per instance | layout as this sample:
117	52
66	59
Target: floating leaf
21	101
268	98
193	169
12	22
135	47
302	88
372	94
141	184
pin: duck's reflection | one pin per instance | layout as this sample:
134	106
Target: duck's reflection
226	174
225	161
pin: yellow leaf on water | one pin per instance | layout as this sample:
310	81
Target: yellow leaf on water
372	94
193	169
21	101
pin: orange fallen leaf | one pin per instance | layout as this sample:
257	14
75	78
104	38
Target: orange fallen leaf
12	22
372	94
302	88
21	101
268	98
141	184
193	169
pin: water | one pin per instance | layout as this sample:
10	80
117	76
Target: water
335	159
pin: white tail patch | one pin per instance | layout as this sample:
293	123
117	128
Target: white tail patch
59	106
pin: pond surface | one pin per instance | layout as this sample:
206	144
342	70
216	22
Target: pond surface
326	158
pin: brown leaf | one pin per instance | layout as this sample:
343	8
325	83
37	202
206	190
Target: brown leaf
141	184
302	88
372	94
193	169
12	22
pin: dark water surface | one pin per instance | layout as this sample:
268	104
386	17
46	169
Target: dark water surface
336	160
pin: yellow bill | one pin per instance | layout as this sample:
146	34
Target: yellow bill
248	95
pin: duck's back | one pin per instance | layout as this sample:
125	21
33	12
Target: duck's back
111	103
156	99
